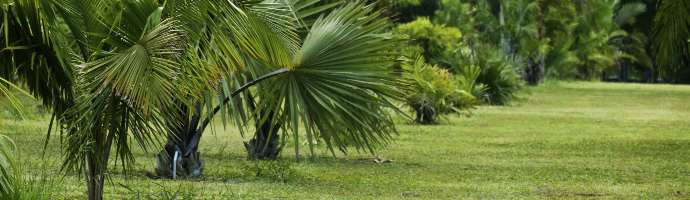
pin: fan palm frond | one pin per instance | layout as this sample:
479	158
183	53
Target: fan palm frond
341	86
626	13
127	86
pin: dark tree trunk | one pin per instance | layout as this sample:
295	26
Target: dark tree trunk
180	157
544	5
426	115
542	68
654	74
532	72
619	69
266	141
95	169
626	75
183	138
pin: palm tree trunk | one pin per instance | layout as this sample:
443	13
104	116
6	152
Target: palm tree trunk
502	21
542	68
654	72
95	172
185	136
621	72
266	141
180	156
544	5
626	76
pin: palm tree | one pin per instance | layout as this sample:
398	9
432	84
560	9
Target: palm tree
601	43
183	138
361	58
631	48
134	66
32	52
524	40
671	34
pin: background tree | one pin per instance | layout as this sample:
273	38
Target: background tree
440	41
671	34
435	92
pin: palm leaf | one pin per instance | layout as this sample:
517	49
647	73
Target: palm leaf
129	85
626	13
5	92
671	33
36	52
81	16
9	171
341	86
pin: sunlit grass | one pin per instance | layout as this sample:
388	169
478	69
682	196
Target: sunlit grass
567	140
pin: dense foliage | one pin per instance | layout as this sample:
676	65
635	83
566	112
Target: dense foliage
556	39
156	72
122	71
435	92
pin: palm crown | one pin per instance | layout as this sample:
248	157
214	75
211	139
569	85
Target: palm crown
126	68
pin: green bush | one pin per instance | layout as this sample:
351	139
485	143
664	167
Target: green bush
502	77
468	83
499	73
429	39
436	92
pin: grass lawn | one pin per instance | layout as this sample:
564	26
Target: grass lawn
567	140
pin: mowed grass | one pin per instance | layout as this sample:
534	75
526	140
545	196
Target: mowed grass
566	140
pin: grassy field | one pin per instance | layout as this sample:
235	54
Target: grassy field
566	140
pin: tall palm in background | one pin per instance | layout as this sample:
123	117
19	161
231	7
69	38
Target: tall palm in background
601	42
483	45
631	48
671	34
522	36
586	39
141	69
591	34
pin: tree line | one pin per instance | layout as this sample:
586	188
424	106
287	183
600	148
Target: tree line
612	40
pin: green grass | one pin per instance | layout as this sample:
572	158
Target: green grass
567	140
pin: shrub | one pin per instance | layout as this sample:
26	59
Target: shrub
429	39
500	74
502	77
435	92
468	83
